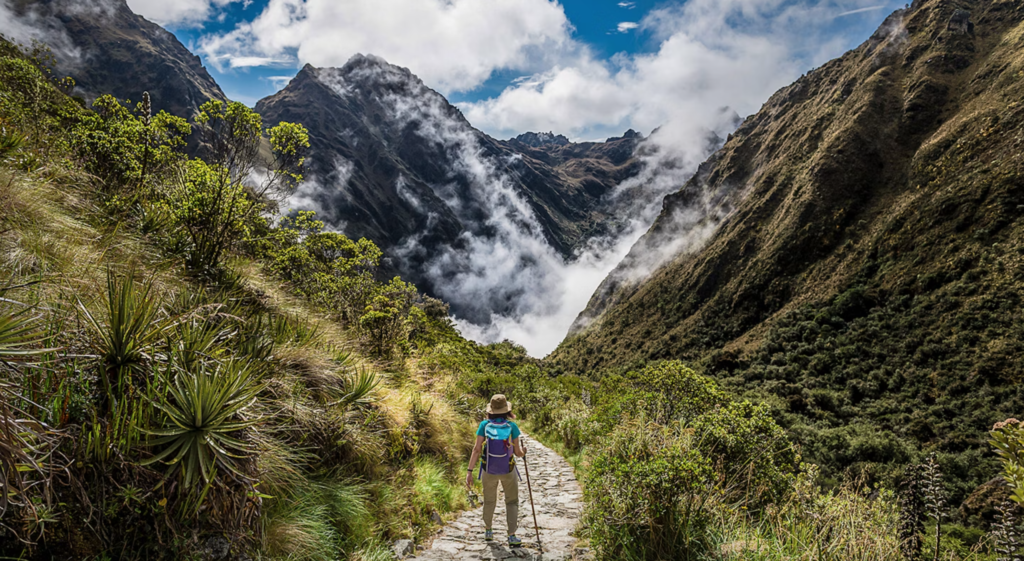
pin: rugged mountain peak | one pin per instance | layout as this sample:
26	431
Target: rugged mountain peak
393	161
108	49
628	135
538	139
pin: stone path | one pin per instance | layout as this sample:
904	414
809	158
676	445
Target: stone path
558	499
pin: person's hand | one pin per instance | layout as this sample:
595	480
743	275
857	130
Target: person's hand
469	480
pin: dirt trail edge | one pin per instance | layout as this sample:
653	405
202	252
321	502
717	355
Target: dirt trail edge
558	499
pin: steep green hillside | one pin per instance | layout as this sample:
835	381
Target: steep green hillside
869	280
182	379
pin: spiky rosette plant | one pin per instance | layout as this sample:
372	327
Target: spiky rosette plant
912	513
205	412
1007	532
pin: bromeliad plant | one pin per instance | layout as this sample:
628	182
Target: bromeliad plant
18	334
204	412
128	333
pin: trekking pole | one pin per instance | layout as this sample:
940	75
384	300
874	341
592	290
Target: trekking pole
533	509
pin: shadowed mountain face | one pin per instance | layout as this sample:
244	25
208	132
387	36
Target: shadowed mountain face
108	49
393	161
865	260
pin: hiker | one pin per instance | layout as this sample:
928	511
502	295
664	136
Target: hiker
497	439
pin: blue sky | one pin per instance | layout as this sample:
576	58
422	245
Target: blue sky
584	67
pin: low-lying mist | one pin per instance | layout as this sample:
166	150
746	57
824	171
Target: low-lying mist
502	276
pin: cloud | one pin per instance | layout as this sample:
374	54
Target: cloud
27	25
453	45
627	5
710	53
626	26
278	82
179	13
250	61
860	10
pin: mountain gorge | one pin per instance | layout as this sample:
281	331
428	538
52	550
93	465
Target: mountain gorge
867	272
391	160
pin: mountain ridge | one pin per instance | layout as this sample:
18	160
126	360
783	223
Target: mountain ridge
393	161
122	54
864	275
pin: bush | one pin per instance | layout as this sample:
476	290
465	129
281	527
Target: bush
669	391
648	489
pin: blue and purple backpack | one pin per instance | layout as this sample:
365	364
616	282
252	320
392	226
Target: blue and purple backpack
498	459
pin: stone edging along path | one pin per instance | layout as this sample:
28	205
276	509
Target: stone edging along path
558	499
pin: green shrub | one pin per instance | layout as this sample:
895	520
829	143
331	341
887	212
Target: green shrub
670	391
648	490
1008	440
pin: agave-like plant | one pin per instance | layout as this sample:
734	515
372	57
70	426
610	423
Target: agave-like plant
19	333
359	389
204	410
128	333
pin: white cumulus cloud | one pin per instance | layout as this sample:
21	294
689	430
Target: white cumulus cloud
451	44
710	53
178	12
626	26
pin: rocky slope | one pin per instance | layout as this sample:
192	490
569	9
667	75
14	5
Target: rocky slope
855	249
393	161
108	49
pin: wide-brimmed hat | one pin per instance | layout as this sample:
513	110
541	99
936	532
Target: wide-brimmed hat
498	405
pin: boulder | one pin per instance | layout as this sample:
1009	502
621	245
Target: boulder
403	548
217	548
981	504
961	22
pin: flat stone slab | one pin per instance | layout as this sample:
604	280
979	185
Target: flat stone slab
558	500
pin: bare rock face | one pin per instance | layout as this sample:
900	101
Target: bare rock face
961	22
108	49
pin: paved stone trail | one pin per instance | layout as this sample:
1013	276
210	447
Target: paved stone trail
558	499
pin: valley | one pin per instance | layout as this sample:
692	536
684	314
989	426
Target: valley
236	333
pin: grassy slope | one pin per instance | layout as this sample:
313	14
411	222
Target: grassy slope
872	277
341	481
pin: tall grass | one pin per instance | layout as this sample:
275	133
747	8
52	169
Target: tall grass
318	522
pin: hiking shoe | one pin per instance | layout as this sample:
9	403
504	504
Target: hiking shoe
488	534
513	541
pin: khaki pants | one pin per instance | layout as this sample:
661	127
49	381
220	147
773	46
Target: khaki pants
510	485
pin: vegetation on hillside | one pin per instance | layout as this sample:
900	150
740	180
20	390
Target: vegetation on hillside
183	373
868	286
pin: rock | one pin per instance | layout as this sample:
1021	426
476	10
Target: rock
436	518
961	22
403	548
216	548
982	502
536	140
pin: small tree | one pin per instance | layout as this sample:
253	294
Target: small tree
215	200
125	149
332	270
383	320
